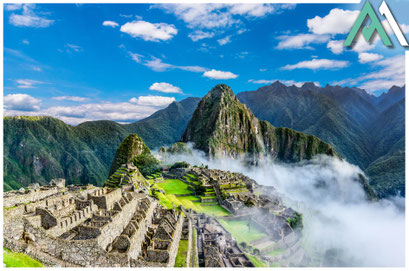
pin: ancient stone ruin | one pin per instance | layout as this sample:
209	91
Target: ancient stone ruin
122	225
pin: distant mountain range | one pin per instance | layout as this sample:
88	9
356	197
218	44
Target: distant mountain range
37	149
365	130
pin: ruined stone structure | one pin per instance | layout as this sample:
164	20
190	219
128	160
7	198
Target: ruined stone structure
91	227
121	225
216	247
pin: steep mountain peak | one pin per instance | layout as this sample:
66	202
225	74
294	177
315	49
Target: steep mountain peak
222	126
131	147
308	86
219	91
277	83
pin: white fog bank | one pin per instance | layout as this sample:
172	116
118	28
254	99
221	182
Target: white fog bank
336	214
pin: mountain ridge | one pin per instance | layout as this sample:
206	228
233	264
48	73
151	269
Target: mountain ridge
224	127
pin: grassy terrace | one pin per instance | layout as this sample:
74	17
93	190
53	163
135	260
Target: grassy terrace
240	230
193	253
182	254
13	259
256	261
174	187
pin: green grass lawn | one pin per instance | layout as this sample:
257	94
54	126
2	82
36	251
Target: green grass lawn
181	257
215	210
174	186
193	253
240	231
256	261
13	259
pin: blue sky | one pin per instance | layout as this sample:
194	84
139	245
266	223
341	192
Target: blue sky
125	61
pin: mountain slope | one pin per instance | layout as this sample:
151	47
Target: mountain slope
365	130
223	126
387	172
38	149
305	109
165	126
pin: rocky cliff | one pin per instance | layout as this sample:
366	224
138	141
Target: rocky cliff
222	126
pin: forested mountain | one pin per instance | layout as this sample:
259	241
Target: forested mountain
366	130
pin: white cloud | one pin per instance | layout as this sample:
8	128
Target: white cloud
285	82
361	45
110	23
241	31
73	48
22	102
208	16
202	16
158	65
391	71
316	64
71	98
224	41
157	101
338	21
252	10
12	7
148	31
121	112
26	42
200	34
242	54
300	41
214	74
336	46
27	83
165	87
136	57
28	18
388	29
368	57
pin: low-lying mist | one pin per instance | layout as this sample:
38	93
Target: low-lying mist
341	228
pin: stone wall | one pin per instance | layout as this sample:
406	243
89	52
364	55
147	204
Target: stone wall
106	198
86	253
14	198
138	237
175	243
119	221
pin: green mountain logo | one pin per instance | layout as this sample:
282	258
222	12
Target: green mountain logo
368	31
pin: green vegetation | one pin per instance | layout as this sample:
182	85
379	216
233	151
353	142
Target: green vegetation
295	222
182	253
179	148
14	259
239	229
181	164
146	163
256	261
61	150
193	259
174	186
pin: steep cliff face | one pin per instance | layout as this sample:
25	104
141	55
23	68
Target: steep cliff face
222	126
